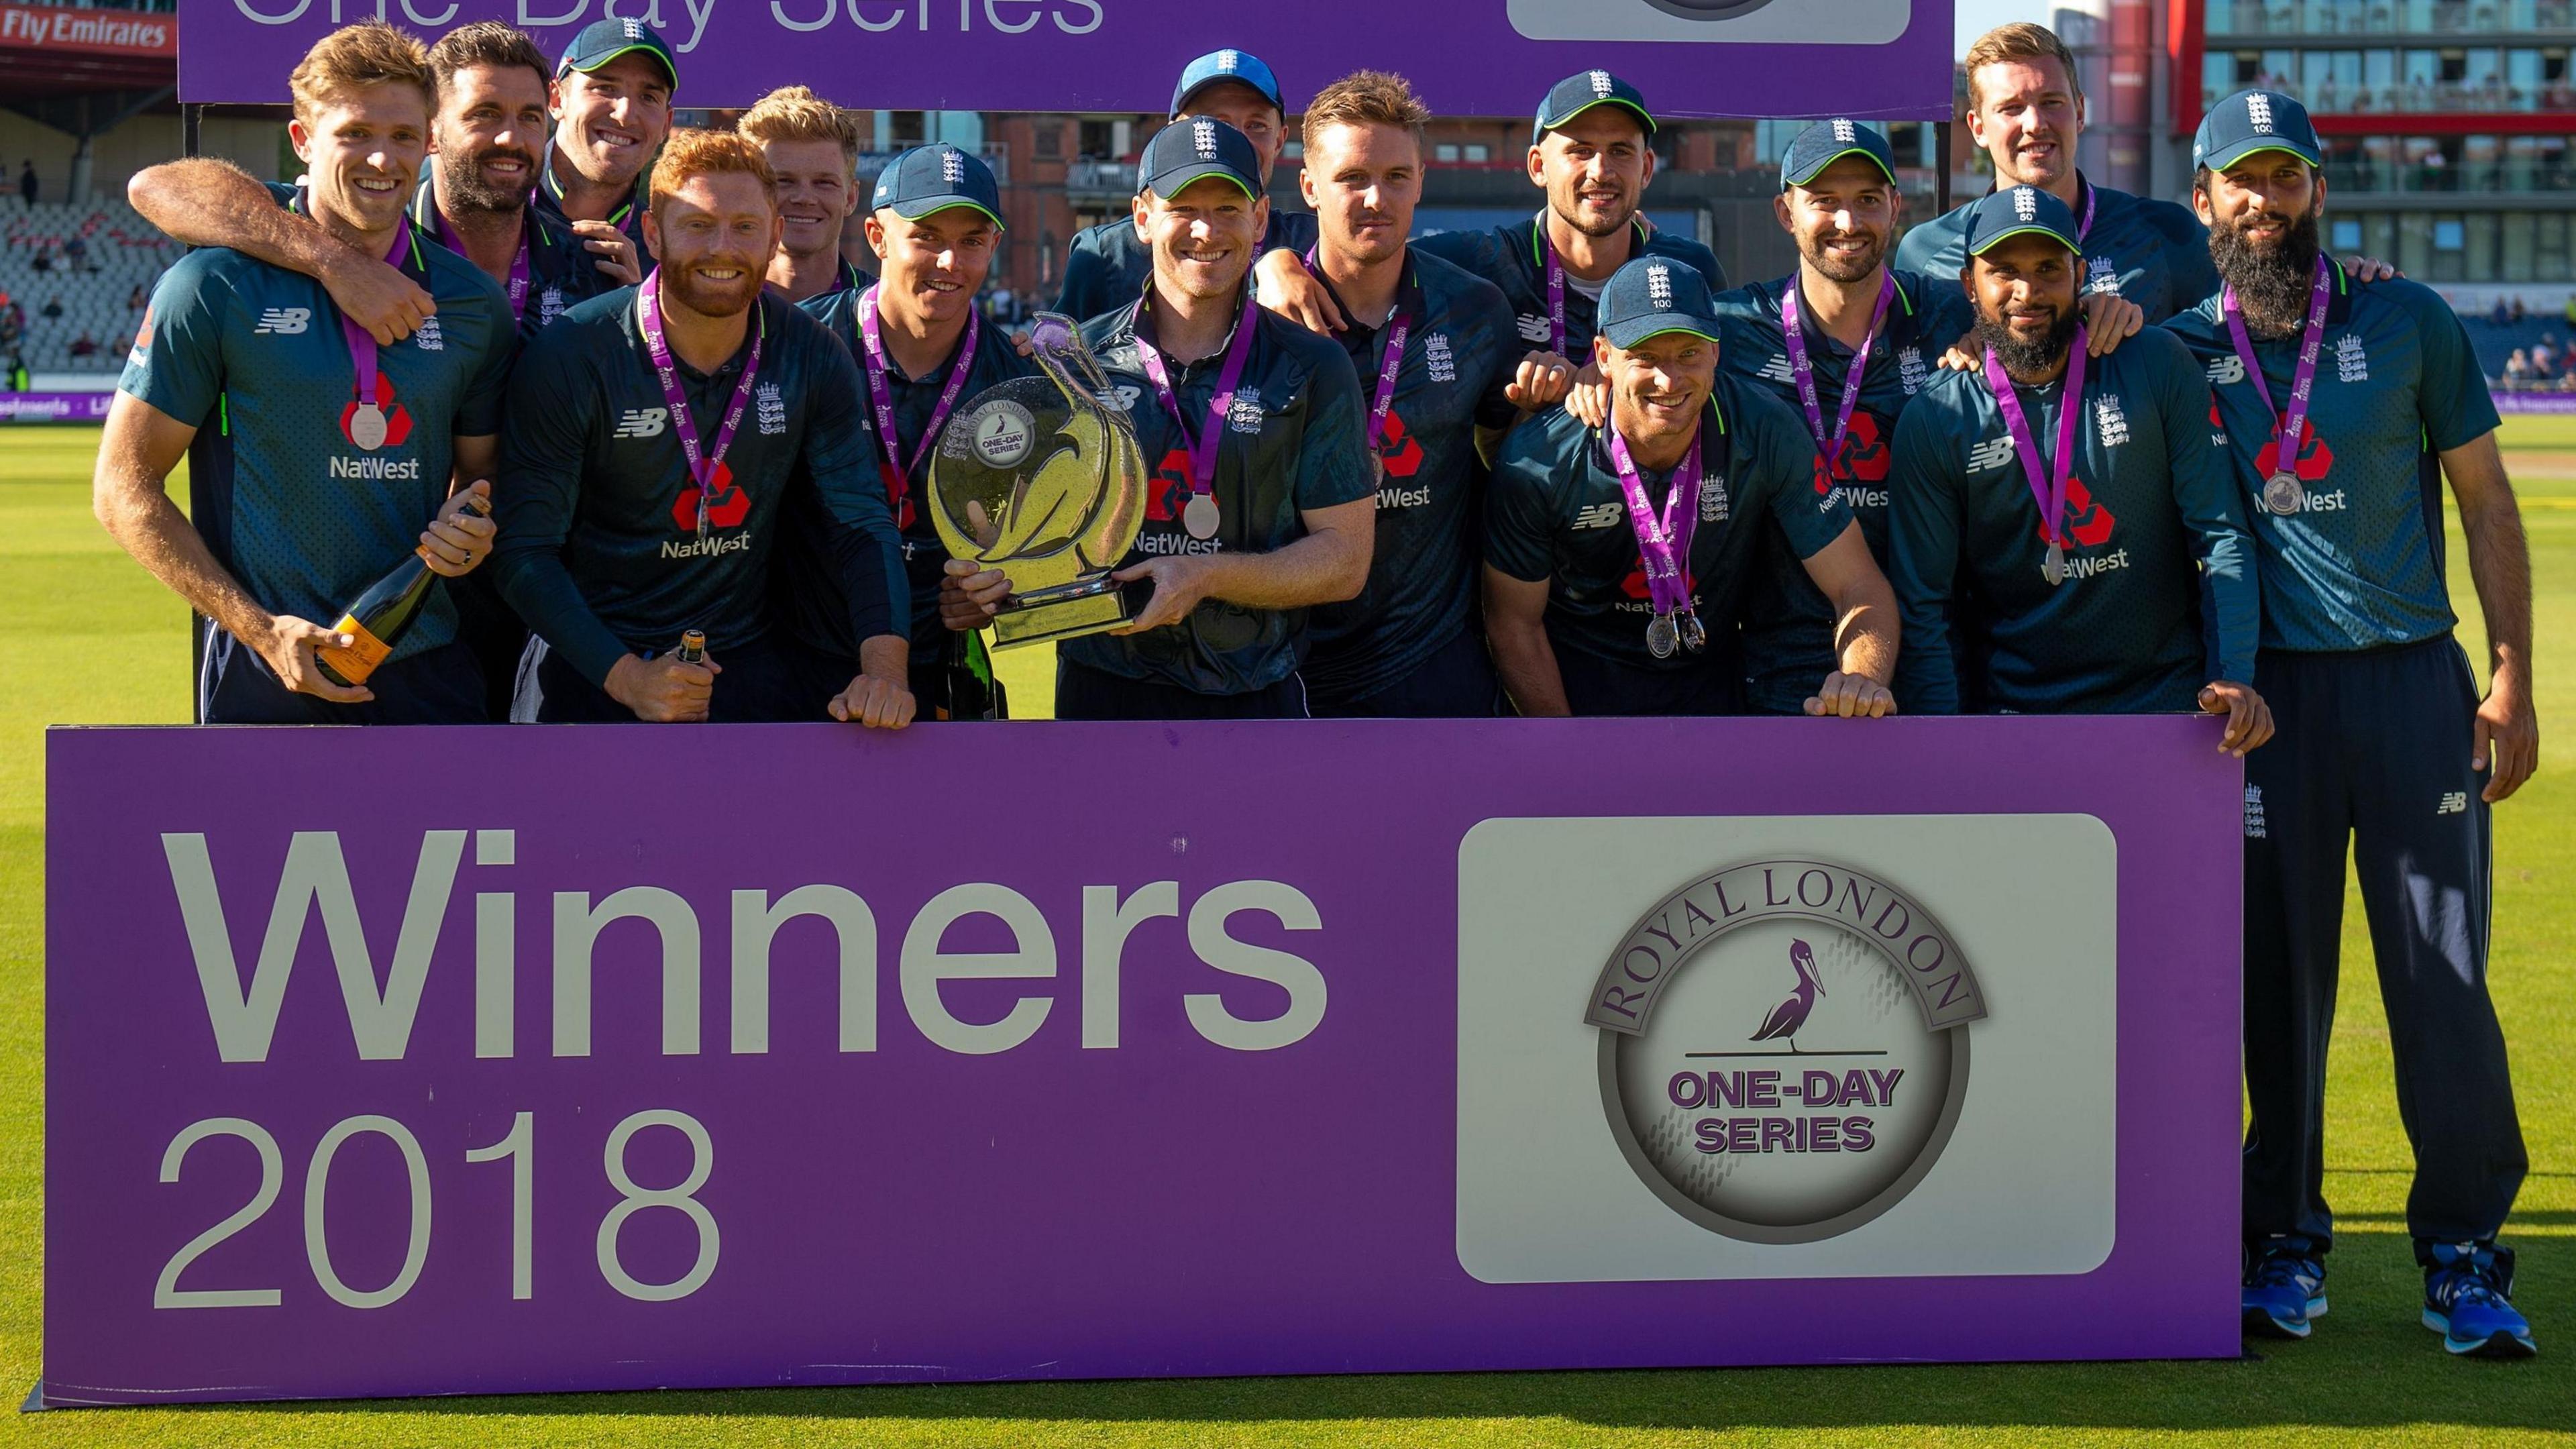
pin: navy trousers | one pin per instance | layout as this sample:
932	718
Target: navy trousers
2373	752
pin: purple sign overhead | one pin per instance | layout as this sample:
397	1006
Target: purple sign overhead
391	1062
1869	58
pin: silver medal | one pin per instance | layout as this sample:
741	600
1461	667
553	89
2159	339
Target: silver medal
2054	567
2285	494
1694	633
1662	637
367	427
1199	515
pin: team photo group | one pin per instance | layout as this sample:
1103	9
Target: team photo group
644	422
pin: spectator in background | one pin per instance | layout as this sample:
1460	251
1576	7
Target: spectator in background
84	346
43	261
76	253
135	301
2519	313
27	187
2517	368
2571	309
2544	356
53	309
2502	315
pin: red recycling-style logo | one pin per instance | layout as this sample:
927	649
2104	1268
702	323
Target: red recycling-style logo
2087	522
2314	456
727	505
397	417
1866	456
1169	488
898	496
1398	449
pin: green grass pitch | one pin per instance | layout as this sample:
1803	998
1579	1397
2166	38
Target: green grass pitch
96	641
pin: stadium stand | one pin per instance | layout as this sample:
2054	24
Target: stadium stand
120	252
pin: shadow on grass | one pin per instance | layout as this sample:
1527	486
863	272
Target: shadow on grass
2371	1365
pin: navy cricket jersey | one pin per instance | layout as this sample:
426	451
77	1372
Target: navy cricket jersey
1788	624
1421	589
1295	440
2159	596
547	201
2396	385
808	595
1108	265
562	269
1555	511
599	547
1514	258
2154	253
286	500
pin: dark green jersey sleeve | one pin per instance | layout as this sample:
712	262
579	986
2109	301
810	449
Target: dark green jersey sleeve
841	460
2457	408
1332	457
1520	505
2210	501
553	407
1784	466
178	364
478	414
1498	346
1924	525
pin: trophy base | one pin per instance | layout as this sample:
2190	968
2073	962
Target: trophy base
1067	613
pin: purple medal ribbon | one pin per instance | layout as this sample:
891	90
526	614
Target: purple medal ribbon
1555	291
2047	485
702	466
1663	542
1805	373
367	426
1390	363
1200	516
518	283
2283	493
881	397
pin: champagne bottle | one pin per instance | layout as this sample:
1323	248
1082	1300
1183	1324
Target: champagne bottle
382	615
693	647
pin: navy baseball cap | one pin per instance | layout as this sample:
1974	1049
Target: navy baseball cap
1654	295
1225	65
1576	94
934	178
602	41
2019	211
2251	121
1192	150
1826	142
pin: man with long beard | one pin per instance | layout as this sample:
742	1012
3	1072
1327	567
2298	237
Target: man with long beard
925	352
1618	558
656	436
2385	749
1848	341
812	147
1592	153
2078	507
485	147
1261	502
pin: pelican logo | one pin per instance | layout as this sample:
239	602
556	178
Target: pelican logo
1003	432
1784	1048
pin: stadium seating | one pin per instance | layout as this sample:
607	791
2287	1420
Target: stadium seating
124	252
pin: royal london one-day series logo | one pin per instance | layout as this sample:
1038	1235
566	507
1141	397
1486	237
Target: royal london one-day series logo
1784	1047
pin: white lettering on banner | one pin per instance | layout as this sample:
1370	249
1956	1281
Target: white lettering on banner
315	874
1072	17
123	30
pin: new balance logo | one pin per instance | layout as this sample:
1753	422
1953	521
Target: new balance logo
1777	369
283	321
1123	397
1533	329
642	422
1992	453
2455	803
1598	515
2224	370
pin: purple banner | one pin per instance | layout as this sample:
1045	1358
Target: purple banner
442	1061
2534	402
55	407
1870	58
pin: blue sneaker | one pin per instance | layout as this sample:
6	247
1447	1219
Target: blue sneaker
2285	1289
2467	1288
